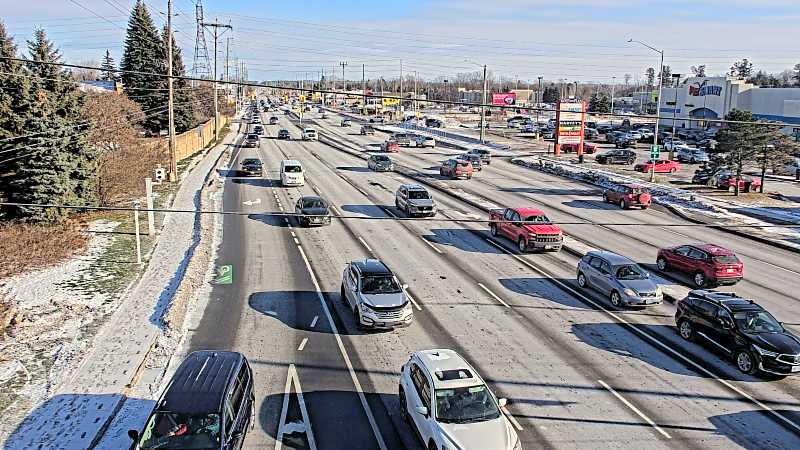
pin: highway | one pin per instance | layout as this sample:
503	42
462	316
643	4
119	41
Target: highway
577	373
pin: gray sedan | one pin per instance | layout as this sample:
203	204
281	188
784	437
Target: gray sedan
312	210
622	280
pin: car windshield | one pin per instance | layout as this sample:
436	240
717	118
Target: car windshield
418	195
166	430
252	136
465	404
630	272
538	219
292	169
250	161
757	322
315	203
725	259
380	284
381	158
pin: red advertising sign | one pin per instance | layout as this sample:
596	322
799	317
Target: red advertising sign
504	99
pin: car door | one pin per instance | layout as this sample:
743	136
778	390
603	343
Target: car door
679	258
421	397
505	224
593	272
350	285
724	330
401	198
696	260
707	323
298	207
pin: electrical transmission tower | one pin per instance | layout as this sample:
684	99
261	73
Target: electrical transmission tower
202	66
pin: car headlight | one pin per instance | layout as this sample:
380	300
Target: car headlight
763	352
629	291
365	308
659	291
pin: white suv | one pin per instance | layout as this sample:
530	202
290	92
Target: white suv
309	134
451	406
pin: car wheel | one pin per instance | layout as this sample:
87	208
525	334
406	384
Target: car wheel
403	406
493	229
521	244
623	205
582	280
699	279
616	300
605	197
673	170
746	362
341	294
686	330
661	263
432	446
396	203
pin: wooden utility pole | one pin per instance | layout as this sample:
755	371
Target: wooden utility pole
173	154
216	26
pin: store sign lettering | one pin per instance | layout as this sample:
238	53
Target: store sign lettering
702	89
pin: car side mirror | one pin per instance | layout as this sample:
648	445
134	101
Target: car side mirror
421	410
647	274
502	402
726	323
405	286
134	435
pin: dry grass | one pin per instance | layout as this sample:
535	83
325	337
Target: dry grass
25	247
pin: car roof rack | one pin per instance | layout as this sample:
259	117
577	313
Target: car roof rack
716	296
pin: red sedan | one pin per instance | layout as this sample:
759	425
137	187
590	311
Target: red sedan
661	166
708	264
390	146
587	148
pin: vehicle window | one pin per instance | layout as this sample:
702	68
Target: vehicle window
292	169
463	163
417	195
707	308
725	259
539	219
724	314
757	322
421	384
465	405
683	251
595	262
697	254
630	272
379	284
605	268
315	203
515	217
172	430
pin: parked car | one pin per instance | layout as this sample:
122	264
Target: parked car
456	168
475	160
740	328
346	122
375	296
312	210
661	166
590	134
367	129
252	167
413	199
612	136
380	163
604	128
450	406
529	228
425	141
727	180
791	168
273	120
672	144
309	134
390	146
708	264
619	278
628	195
691	155
284	134
620	156
624	141
486	155
573	148
251	140
208	403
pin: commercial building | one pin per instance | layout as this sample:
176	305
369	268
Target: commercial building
701	98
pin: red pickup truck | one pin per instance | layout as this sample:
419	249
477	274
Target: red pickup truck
528	227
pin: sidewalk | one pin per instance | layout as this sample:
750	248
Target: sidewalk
85	403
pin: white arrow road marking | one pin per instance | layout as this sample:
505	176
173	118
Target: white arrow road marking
252	202
305	426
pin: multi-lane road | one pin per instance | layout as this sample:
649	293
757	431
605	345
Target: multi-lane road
577	373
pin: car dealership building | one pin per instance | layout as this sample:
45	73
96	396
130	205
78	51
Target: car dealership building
701	98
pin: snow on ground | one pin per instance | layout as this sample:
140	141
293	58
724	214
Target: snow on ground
50	329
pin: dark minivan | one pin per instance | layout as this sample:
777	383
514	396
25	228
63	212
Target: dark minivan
208	404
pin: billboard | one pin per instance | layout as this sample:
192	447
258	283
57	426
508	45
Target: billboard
504	99
570	118
390	101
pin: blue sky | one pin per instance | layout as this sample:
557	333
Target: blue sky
583	40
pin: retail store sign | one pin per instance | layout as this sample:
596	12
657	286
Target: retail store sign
702	89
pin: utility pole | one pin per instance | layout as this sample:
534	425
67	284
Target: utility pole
613	82
538	105
364	87
483	107
216	26
227	56
173	154
344	83
415	96
401	89
677	77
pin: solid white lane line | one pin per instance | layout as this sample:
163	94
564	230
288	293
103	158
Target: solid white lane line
511	419
634	409
413	302
293	235
494	295
335	210
296	241
343	351
314	322
365	244
430	244
302	344
389	212
653	340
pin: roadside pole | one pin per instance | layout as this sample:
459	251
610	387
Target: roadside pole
151	224
138	235
173	157
483	108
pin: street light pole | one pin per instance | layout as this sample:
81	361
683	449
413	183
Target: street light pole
613	82
658	104
538	105
483	108
677	77
173	154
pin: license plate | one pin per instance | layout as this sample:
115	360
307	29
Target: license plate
729	270
795	368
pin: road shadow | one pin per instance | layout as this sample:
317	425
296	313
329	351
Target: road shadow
366	210
273	220
756	430
553	191
67	421
462	239
354	169
259	182
587	204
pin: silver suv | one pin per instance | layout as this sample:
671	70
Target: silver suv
622	280
414	200
375	296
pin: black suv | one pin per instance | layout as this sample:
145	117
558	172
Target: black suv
742	329
616	157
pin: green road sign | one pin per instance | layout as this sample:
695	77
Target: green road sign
224	275
654	151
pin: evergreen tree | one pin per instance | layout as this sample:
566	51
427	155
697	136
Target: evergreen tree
742	69
550	94
144	52
699	71
650	75
600	102
182	95
56	165
796	74
107	68
665	75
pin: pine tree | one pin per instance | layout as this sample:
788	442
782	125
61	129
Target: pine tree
144	52
550	94
742	69
650	75
600	102
107	68
56	165
185	118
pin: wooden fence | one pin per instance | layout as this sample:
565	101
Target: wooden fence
188	143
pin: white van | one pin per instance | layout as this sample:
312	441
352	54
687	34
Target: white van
309	134
292	173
